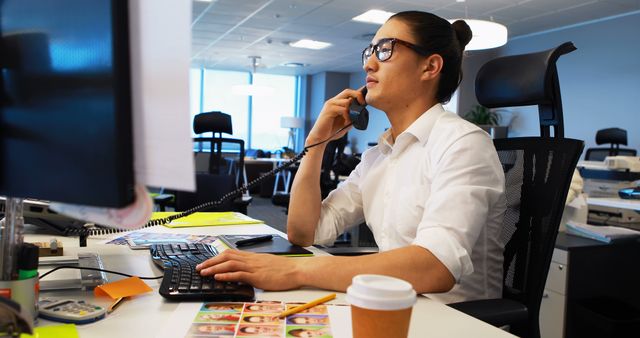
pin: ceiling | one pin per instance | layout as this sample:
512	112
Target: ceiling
226	32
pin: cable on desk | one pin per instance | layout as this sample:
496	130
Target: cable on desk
94	269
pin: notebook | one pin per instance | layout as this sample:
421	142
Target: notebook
605	234
277	245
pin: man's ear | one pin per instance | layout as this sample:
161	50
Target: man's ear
432	66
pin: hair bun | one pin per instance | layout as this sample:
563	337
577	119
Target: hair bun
463	32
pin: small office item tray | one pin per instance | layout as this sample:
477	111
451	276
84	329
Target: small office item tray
181	281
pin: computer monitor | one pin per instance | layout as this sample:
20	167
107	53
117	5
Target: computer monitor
78	80
65	112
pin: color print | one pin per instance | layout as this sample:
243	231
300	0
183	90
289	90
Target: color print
258	320
308	331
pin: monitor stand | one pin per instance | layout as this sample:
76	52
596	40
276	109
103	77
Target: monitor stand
66	279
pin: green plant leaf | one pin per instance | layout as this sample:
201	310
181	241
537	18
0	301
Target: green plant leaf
482	115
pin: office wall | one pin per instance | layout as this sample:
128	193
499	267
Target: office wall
320	88
599	82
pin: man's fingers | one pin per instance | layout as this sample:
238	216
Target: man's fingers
237	276
225	266
224	256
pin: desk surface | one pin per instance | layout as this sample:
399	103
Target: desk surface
148	315
613	202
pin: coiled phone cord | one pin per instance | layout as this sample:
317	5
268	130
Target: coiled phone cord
241	190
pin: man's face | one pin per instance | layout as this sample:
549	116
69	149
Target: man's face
306	320
394	81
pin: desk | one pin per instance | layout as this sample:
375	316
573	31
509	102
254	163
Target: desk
613	202
285	174
148	315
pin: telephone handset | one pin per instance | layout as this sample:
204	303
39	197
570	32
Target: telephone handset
359	119
358	113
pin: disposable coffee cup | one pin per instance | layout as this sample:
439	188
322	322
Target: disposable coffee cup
380	306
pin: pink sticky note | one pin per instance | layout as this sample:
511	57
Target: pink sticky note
123	288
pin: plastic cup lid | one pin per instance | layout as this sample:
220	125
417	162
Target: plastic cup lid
377	292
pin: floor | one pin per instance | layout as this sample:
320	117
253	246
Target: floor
261	208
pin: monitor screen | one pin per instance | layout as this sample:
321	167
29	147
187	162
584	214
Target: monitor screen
65	102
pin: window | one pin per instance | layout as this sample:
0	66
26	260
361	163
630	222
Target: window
257	116
217	96
266	132
195	101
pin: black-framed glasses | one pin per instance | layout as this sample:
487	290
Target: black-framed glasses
384	49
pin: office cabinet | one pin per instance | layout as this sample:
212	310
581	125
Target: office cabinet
586	280
552	308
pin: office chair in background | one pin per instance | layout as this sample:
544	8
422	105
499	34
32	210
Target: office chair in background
224	173
217	123
613	136
538	173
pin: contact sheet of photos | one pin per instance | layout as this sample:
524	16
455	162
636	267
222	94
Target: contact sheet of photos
259	320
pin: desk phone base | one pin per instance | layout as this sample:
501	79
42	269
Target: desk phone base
181	281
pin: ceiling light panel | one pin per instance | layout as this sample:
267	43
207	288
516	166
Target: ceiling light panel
309	44
374	16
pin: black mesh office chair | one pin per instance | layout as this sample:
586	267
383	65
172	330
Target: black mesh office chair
224	173
613	136
218	123
538	173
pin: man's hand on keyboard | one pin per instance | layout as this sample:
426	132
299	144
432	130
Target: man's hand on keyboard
263	271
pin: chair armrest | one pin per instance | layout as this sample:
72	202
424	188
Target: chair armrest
497	312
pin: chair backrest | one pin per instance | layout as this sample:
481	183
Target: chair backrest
613	136
215	122
522	80
538	173
599	154
218	123
208	188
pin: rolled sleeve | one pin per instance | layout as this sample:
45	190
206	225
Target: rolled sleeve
340	210
467	183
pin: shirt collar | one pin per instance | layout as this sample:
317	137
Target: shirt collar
420	129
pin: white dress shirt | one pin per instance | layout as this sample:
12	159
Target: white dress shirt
439	186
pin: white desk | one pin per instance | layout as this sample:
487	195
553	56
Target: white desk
148	315
613	202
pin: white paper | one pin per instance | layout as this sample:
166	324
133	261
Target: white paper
133	216
160	43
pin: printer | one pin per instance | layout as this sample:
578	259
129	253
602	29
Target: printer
605	179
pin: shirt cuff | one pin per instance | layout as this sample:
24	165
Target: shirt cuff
446	249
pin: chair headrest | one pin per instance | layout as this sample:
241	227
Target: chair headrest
214	121
611	135
519	80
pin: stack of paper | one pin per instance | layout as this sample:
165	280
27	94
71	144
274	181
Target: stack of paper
600	233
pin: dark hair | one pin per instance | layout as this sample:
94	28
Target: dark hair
437	36
296	332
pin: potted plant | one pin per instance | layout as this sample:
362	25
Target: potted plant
486	119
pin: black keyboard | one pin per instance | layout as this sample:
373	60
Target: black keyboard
182	282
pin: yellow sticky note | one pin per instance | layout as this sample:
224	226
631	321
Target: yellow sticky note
54	331
123	288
